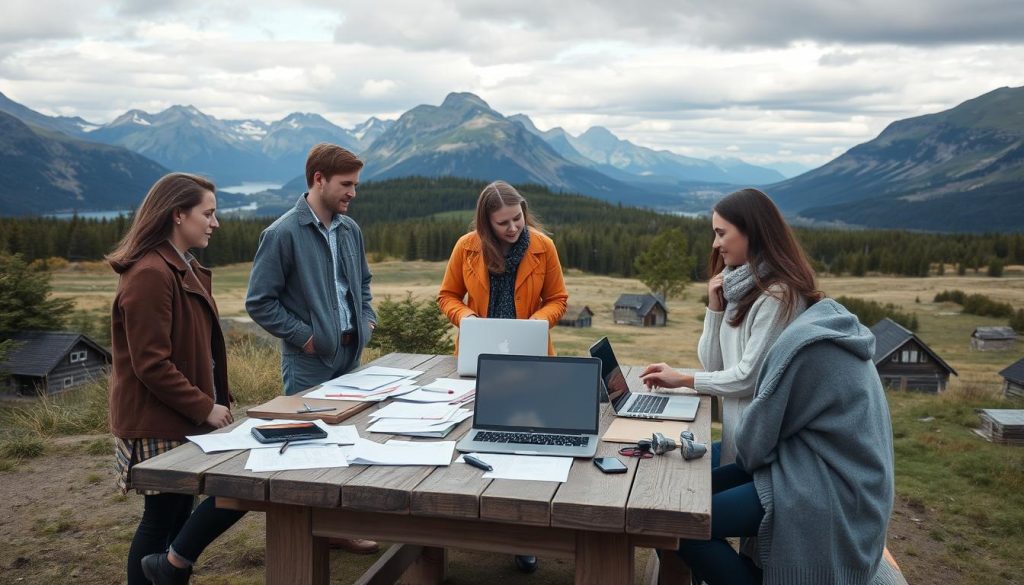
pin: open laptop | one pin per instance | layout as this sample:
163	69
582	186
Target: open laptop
506	336
639	404
535	405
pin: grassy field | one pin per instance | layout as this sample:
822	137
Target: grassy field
959	516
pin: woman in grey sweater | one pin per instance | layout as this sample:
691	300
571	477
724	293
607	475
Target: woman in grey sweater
814	473
761	282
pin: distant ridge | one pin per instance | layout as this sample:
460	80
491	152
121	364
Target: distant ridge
42	171
957	170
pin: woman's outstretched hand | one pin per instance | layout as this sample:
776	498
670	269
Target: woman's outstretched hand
662	376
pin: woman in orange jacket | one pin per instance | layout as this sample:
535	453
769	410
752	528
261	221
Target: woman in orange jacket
506	267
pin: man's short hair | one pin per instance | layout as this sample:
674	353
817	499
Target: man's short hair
330	160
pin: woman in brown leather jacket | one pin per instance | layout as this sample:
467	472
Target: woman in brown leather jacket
169	375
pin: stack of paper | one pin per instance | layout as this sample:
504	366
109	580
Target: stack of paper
241	437
449	390
371	384
402	453
431	419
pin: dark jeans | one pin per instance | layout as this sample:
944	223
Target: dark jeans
735	511
300	371
168	521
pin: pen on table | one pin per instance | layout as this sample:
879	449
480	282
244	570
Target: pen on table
438	390
309	408
283	447
478	463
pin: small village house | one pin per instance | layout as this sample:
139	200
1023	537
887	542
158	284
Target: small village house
645	310
576	316
993	338
904	362
50	362
1013	379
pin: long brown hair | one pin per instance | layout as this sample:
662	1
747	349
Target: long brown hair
495	196
152	222
770	242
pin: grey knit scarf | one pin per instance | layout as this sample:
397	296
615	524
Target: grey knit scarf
737	281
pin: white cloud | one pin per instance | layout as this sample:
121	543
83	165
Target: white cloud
779	81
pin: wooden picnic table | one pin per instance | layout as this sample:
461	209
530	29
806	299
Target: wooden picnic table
597	519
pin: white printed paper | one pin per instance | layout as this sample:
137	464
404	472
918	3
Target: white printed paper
396	452
298	456
525	467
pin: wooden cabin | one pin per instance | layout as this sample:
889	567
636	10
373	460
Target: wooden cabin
576	316
641	310
904	362
993	339
51	362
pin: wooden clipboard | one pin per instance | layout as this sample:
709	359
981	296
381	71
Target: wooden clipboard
630	430
289	406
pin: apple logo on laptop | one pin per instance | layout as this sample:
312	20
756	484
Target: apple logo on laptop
504	346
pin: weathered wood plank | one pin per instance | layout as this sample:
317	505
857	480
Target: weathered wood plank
430	568
294	555
230	479
322	487
446	532
390	566
671	496
177	471
603	559
590	499
388	488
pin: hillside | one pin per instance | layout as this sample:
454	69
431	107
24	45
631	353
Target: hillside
464	137
957	170
44	172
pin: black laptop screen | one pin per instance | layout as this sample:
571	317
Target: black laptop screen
611	373
549	394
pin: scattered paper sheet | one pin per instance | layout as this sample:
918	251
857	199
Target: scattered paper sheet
372	377
241	436
356	395
415	410
396	452
525	467
419	428
298	456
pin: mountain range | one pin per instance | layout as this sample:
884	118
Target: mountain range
957	170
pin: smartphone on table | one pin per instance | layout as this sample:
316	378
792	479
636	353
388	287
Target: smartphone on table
297	431
610	464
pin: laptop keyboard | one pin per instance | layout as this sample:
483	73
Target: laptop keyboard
649	404
532	438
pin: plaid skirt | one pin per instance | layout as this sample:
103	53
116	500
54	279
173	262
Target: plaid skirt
128	452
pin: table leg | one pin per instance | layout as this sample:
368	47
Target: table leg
294	555
671	568
603	558
431	568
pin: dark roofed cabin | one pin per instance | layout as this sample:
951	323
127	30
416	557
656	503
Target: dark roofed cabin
50	362
1013	379
904	362
641	310
993	338
576	316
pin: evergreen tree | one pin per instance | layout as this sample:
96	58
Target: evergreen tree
665	265
25	301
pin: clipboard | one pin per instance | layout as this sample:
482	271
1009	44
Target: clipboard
629	430
291	407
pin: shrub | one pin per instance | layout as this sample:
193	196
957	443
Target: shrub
412	327
871	312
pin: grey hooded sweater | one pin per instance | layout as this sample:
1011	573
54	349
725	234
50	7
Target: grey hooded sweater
817	439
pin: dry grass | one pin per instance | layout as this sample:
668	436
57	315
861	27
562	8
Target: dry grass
960	512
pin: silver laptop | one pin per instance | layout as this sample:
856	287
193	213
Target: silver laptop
639	404
535	405
505	336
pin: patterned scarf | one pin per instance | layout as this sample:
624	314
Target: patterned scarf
738	281
502	303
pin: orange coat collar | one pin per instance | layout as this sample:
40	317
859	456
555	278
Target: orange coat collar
532	260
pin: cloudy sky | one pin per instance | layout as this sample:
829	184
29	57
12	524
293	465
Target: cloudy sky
770	82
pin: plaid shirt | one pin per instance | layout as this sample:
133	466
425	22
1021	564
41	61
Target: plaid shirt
340	285
128	452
